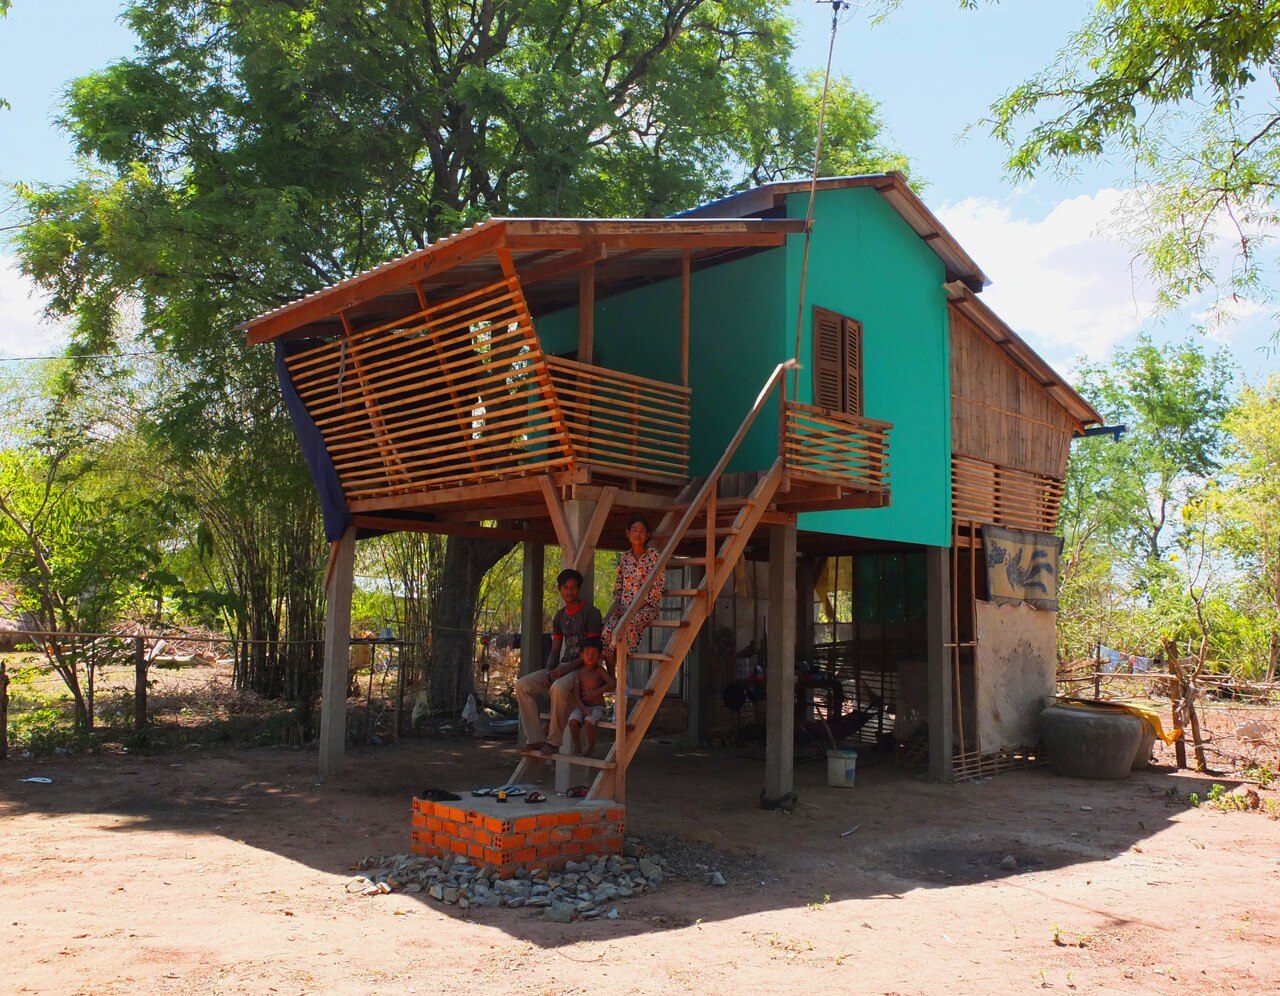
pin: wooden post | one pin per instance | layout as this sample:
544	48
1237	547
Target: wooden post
531	617
139	684
780	691
684	318
937	614
337	655
1175	698
1186	696
4	711
586	313
578	513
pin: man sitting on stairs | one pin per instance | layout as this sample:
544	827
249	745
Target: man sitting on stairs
570	627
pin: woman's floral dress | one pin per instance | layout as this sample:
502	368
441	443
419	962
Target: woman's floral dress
632	571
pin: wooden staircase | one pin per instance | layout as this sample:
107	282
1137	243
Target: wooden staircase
723	531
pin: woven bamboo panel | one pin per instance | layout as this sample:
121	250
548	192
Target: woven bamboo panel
845	449
966	767
622	422
458	392
1002	496
999	413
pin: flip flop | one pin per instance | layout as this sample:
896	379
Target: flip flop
577	792
535	797
512	790
480	792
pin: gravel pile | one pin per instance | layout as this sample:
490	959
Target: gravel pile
583	891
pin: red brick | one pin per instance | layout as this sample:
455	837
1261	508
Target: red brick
573	847
617	815
495	825
525	823
549	851
583	833
538	837
524	854
568	818
475	851
561	835
474	818
590	814
547	819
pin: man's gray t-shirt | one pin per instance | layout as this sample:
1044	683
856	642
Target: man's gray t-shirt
574	627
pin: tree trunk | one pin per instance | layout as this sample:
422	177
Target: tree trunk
466	561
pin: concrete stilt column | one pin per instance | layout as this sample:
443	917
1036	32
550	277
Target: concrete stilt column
337	657
531	601
780	681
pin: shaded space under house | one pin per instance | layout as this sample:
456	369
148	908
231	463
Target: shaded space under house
544	379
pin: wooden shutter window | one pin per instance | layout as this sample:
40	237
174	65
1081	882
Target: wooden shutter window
837	362
852	342
828	370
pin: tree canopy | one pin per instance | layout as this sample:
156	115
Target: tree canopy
1184	92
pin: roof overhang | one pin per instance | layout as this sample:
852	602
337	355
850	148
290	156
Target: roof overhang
964	301
769	200
547	254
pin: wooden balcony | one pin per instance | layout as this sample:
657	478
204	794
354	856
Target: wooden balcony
833	460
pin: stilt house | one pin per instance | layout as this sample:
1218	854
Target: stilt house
544	378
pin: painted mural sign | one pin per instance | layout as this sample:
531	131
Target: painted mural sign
1022	567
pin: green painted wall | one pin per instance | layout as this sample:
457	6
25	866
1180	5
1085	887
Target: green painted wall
865	262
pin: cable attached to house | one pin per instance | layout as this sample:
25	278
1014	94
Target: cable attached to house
836	7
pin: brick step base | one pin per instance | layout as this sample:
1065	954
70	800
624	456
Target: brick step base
516	835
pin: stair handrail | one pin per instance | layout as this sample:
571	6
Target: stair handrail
668	551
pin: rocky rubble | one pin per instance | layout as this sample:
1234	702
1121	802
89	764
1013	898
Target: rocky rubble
584	890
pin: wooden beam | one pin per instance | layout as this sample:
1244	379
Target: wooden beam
586	542
586	313
684	318
337	654
393	525
780	690
555	508
462	494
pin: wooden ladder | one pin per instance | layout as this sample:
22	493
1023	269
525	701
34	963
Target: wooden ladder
725	541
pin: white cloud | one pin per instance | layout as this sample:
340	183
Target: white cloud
23	332
1068	284
1061	281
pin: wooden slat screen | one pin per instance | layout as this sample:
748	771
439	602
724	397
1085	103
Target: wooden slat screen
1002	496
827	367
623	422
459	391
851	333
844	449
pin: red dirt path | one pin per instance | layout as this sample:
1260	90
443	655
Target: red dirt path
223	872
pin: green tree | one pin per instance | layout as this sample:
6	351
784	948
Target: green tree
1184	91
1121	516
1246	507
252	152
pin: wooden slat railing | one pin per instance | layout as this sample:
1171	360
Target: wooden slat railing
459	391
1002	496
823	445
622	422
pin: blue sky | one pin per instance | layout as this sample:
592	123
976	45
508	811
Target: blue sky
1056	276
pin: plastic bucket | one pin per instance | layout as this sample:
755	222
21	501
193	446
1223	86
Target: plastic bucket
840	768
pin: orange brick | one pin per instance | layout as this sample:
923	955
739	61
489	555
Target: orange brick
495	825
549	851
495	857
444	840
590	814
452	813
583	833
615	814
538	837
524	854
475	851
547	819
568	818
525	823
475	819
560	835
612	845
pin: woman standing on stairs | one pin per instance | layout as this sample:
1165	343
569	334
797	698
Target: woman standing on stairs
634	566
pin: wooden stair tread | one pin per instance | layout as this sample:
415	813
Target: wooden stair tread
650	657
612	724
668	624
639	693
586	762
683	592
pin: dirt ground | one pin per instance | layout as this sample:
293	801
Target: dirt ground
223	871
